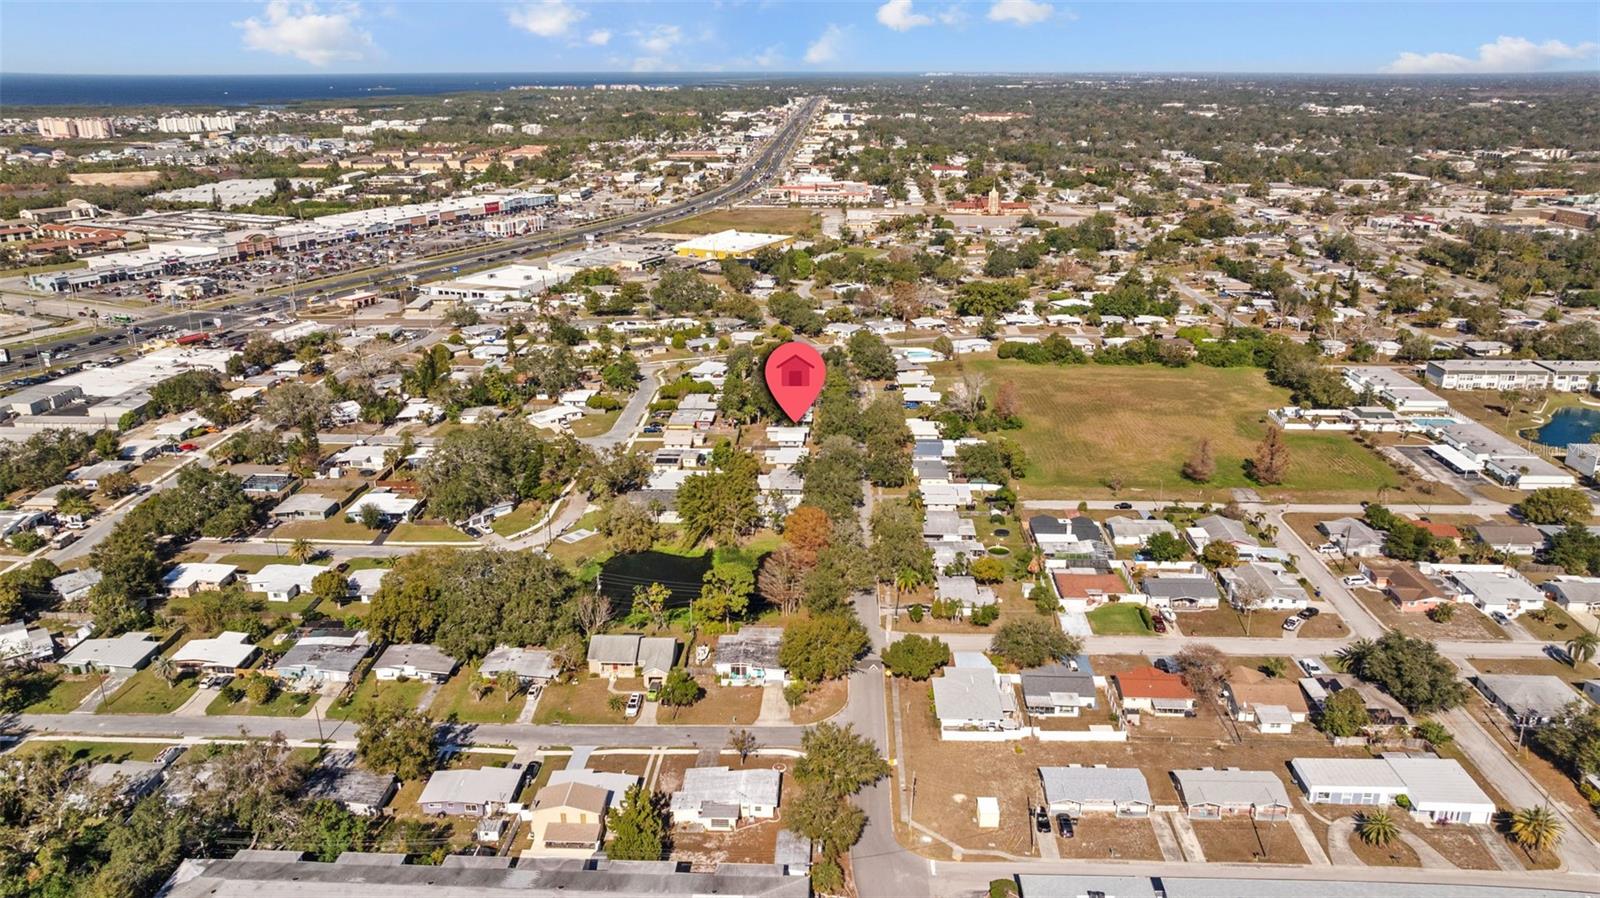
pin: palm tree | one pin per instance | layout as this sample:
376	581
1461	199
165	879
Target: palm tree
1377	828
1537	828
167	670
1583	647
1353	654
302	550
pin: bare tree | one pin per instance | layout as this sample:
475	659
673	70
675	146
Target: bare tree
745	743
594	612
1202	667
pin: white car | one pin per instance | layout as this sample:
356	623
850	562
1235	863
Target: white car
635	702
1292	624
1312	667
1356	580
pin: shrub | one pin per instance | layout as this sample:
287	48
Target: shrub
795	693
915	613
986	615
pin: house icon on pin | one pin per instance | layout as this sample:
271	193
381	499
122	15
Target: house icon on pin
795	372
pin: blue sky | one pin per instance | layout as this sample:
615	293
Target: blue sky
303	36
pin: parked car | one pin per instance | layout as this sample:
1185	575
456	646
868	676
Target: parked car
1356	580
1309	612
1293	624
1312	667
635	702
1124	506
1041	819
1501	619
1064	826
1558	653
1158	623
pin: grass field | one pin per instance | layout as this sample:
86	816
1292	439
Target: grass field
455	701
283	703
771	221
146	693
373	690
65	694
1086	426
520	519
428	531
1117	619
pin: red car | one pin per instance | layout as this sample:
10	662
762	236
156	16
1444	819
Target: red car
1159	623
187	447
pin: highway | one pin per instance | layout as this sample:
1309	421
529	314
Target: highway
767	165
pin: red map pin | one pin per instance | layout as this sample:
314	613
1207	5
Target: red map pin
794	375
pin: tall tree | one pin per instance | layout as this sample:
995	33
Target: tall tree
1271	463
1200	466
392	738
638	827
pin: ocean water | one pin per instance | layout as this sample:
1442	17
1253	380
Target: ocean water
20	89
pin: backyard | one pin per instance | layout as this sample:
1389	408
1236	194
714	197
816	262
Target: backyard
1086	427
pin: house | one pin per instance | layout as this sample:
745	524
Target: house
1126	531
717	798
1409	589
1511	539
128	781
793	852
391	507
1437	789
1591	688
20	643
1274	704
282	582
414	661
567	820
309	664
1085	591
74	586
1352	537
1076	791
1212	794
1216	528
1494	588
187	579
632	655
750	657
1146	689
1526	700
89	476
1581	594
970	696
304	507
1075	537
480	792
1060	690
964	591
226	653
1264	586
365	583
119	655
341	779
1181	592
533	667
358	460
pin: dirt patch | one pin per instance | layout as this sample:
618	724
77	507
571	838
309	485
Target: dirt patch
721	705
1459	844
1101	837
1466	623
669	775
114	178
822	702
620	763
1394	854
1245	840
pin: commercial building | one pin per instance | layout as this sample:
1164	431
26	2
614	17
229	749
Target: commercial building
730	244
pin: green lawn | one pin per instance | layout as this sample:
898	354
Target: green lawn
455	700
252	564
770	221
1085	426
146	693
335	527
593	425
1118	619
520	519
428	531
585	701
65	693
284	703
373	690
96	751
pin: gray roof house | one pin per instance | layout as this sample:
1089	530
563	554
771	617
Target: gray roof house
481	792
1268	586
750	657
1574	593
1511	539
793	852
128	780
310	665
1128	531
74	586
414	661
972	698
1525	699
118	655
20	642
718	798
535	666
1353	537
632	655
1096	790
1212	794
963	589
1216	528
258	874
1058	690
341	779
1182	592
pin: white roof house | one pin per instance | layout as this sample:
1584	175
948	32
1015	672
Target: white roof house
391	505
1438	789
1265	586
480	792
187	578
717	797
1126	531
1209	793
282	582
1493	588
119	654
973	699
365	583
225	653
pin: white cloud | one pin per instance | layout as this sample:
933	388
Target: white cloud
897	15
659	39
304	31
953	15
1506	54
770	57
546	18
826	47
599	38
1020	12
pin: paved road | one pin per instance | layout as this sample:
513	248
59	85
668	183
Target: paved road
1361	622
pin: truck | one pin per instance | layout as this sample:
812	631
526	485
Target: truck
193	339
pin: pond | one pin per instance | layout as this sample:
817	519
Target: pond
1570	425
